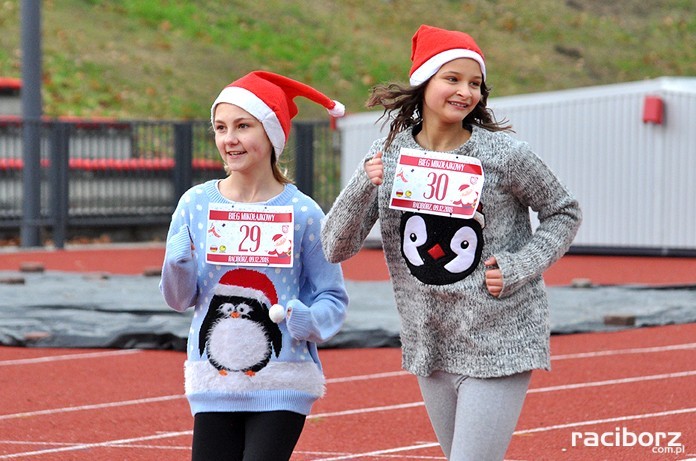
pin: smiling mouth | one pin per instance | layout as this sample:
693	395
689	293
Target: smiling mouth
460	105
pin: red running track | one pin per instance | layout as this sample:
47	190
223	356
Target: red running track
127	405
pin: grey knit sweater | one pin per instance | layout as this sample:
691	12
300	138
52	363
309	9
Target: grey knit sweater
450	321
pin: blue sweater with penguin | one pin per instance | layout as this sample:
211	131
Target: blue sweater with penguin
238	359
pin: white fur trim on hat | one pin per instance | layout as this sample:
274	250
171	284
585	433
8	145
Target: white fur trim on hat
432	65
251	103
244	292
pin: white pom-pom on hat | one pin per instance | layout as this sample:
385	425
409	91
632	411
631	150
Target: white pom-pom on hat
338	110
276	313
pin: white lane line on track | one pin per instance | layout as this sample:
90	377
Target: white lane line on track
521	432
123	442
382	452
99	406
539	390
54	358
616	419
358	411
638	350
349	412
612	382
86	446
581	355
347	379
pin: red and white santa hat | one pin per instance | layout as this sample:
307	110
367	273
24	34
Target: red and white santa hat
269	98
432	47
249	284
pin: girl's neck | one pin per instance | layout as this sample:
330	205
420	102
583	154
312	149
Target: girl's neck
442	138
243	189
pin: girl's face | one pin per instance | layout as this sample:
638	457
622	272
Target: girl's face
453	92
241	139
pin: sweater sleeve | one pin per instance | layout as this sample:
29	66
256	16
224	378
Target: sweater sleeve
179	283
354	212
537	187
319	312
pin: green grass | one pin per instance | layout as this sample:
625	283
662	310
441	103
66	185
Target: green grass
168	59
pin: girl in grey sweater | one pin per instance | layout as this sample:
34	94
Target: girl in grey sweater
465	265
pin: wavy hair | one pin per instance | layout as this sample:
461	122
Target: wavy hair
404	106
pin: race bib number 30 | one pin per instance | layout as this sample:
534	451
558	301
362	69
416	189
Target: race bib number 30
250	235
437	183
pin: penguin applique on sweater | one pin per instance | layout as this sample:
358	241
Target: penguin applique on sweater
440	250
237	333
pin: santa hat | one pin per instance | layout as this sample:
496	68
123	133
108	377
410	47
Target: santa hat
432	47
249	284
269	98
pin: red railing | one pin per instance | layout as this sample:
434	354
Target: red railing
109	164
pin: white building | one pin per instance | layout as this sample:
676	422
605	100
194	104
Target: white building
627	152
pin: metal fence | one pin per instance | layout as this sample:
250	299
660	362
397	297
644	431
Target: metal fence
131	173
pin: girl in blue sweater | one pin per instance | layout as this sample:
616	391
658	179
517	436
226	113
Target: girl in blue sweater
245	253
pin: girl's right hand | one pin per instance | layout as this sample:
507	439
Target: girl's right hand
494	277
375	169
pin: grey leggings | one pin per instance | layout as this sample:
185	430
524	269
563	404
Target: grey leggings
474	418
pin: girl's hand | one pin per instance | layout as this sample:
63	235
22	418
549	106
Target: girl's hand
494	277
375	169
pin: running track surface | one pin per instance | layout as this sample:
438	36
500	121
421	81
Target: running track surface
128	405
79	404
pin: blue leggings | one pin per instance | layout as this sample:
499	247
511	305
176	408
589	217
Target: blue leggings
474	418
246	436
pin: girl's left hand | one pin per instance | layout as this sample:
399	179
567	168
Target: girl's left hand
494	277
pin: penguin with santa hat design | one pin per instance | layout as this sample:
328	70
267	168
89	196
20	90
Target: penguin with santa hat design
237	333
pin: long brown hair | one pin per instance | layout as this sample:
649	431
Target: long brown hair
407	102
279	173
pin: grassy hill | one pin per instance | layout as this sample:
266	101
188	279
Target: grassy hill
168	59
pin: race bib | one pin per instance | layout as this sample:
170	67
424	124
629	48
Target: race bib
437	183
250	235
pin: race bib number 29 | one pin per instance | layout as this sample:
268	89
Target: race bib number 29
250	235
437	183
